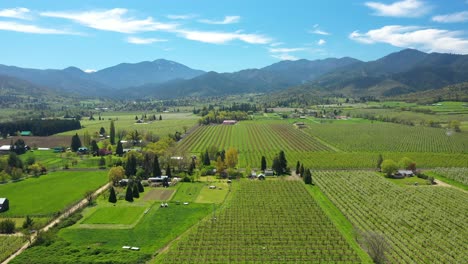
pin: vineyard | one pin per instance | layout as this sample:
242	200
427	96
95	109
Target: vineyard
270	221
378	137
9	244
457	174
358	145
421	224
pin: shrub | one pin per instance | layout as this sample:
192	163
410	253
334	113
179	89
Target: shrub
7	226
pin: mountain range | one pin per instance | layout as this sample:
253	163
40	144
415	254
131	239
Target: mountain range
402	72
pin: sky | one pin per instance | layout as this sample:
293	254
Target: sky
223	36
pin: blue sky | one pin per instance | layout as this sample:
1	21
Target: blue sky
223	36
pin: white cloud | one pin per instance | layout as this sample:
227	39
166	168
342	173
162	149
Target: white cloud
90	70
318	31
284	56
426	39
452	18
25	28
181	17
284	50
136	40
112	20
404	8
222	37
321	42
18	12
227	20
275	44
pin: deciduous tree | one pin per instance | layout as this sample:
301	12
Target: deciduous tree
389	167
231	157
116	174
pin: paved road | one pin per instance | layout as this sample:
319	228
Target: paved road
81	204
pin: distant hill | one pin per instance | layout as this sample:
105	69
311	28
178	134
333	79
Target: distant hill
136	74
456	92
397	73
272	78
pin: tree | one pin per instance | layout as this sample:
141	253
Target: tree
376	246
7	226
119	149
263	164
379	162
112	195
102	131
283	162
35	169
116	174
231	157
206	158
389	167
86	138
156	168
129	193
248	171
405	163
302	170
160	117
140	186
75	143
168	171
298	167
276	166
220	165
131	166
192	167
28	222
112	133
94	147
102	162
307	176
19	147
136	192
455	125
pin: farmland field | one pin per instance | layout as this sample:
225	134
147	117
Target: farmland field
50	193
459	175
269	221
421	224
9	244
118	215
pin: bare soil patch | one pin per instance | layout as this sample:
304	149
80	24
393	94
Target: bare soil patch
158	194
41	142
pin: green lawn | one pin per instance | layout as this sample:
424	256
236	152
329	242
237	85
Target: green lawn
187	192
50	193
124	215
217	195
409	181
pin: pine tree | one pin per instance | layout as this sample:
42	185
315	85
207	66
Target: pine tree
263	164
307	177
75	143
160	117
168	171
112	132
156	168
94	147
283	163
276	166
112	196
298	167
302	170
136	192
129	193
130	167
379	162
140	186
206	159
119	149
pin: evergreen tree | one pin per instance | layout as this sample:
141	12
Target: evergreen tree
298	167
75	143
140	187
168	171
191	167
307	177
28	222
206	159
263	164
130	167
222	154
112	132
129	193
102	131
283	162
94	147
119	149
102	162
276	166
112	195
379	162
156	168
302	171
160	117
136	192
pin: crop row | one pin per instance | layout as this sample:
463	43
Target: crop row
421	224
377	137
9	244
268	221
457	174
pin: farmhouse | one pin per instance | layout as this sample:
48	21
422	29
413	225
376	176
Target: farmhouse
4	204
157	179
229	122
405	173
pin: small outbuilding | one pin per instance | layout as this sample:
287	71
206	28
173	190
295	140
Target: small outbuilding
269	173
25	133
4	204
405	173
229	122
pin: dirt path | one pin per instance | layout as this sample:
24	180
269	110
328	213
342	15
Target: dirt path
443	184
70	211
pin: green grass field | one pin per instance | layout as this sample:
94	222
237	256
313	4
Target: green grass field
50	193
115	215
187	192
217	195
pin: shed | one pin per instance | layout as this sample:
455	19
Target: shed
229	122
269	173
4	204
405	173
5	148
26	133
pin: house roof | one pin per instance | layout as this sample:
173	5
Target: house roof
405	171
2	200
5	148
25	133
